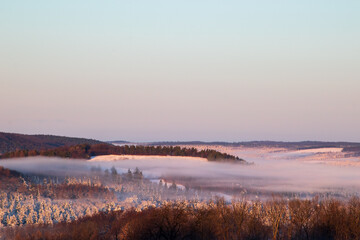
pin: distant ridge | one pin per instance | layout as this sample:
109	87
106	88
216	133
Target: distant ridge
348	146
14	141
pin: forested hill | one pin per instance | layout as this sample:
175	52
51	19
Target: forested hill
10	142
86	151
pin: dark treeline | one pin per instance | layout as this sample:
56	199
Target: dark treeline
86	151
352	151
276	219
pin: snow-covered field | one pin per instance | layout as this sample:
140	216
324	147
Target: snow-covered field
110	158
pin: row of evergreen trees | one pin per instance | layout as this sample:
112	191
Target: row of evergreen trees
87	151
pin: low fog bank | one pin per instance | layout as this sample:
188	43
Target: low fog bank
264	176
46	165
275	175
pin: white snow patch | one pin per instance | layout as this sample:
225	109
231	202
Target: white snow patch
109	158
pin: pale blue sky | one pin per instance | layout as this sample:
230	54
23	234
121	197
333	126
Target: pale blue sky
181	70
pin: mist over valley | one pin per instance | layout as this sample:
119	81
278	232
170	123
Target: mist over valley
291	173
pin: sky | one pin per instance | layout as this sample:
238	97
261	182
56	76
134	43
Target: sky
181	70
